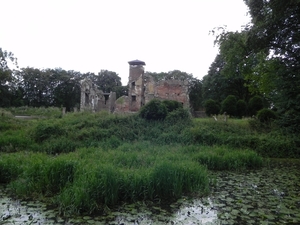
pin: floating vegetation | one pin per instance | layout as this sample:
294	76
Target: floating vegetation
266	196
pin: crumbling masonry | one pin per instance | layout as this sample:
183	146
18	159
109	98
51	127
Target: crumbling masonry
142	88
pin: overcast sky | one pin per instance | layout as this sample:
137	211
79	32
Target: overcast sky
90	35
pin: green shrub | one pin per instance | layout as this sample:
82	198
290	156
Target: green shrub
178	115
229	105
255	104
172	105
154	110
211	107
266	115
241	108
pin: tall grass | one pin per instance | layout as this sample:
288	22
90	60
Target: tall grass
91	178
222	158
88	161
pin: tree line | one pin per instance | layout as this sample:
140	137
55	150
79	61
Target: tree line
61	88
261	61
49	87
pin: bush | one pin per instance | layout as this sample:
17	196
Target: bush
178	114
241	108
154	110
172	105
255	104
229	105
266	115
211	107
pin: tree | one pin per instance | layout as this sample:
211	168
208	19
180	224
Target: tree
229	105
255	104
241	108
7	87
67	91
36	86
195	94
107	81
211	107
266	115
217	85
275	33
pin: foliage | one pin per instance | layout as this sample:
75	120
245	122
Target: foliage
266	115
179	114
218	85
211	107
241	108
154	110
266	55
7	78
104	160
107	80
229	105
172	105
255	104
196	94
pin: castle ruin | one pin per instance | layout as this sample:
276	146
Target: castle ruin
142	88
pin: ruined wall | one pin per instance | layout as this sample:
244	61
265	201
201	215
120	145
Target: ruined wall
176	90
95	100
145	88
136	87
122	105
142	88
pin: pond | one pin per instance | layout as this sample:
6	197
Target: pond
270	195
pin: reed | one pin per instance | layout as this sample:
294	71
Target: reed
89	161
223	158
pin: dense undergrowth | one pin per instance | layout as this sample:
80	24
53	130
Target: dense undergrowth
87	161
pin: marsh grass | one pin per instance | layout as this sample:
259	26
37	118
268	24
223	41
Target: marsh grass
222	158
88	161
139	174
42	175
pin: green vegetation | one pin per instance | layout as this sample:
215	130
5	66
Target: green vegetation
211	107
87	161
266	115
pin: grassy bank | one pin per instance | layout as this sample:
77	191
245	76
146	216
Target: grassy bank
89	161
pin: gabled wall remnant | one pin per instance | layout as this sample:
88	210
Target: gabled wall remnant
142	88
95	100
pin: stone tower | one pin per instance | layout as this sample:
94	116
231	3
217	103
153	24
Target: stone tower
136	85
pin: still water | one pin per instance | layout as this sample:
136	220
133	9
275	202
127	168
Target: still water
270	195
